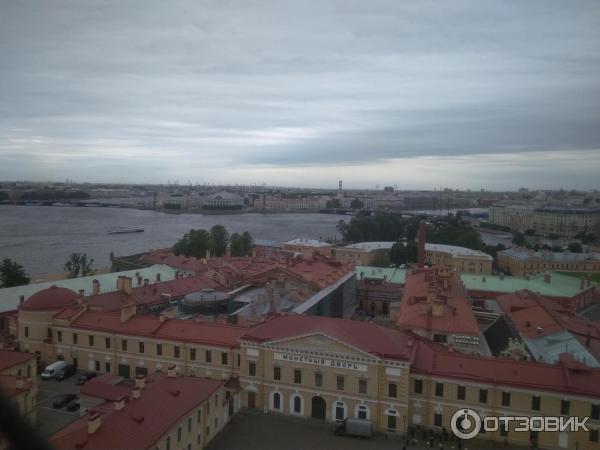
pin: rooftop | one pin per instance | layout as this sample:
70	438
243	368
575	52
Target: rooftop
163	402
457	251
370	246
9	297
559	285
10	359
390	274
307	242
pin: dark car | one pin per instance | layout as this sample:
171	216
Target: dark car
81	379
73	405
63	400
64	373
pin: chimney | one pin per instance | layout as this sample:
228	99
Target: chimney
146	281
119	404
547	278
158	277
136	393
126	286
95	287
20	383
172	371
94	421
140	381
81	292
421	245
139	279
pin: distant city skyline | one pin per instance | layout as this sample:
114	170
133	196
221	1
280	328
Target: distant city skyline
464	94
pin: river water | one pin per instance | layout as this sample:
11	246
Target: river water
41	238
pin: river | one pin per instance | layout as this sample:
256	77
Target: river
41	238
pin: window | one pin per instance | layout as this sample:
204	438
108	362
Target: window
176	351
276	401
318	379
593	435
189	424
439	389
26	330
252	369
440	338
506	399
159	349
392	390
595	412
565	406
199	439
208	356
59	336
91	340
141	347
179	434
75	338
362	386
418	386
28	371
483	394
224	358
124	345
277	373
362	412
216	400
49	333
437	420
168	442
392	423
339	382
193	354
297	404
461	392
97	366
107	342
535	403
107	367
199	416
297	376
238	360
340	411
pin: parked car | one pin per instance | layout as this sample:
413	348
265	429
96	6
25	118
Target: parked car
73	405
84	377
63	400
51	370
354	427
66	372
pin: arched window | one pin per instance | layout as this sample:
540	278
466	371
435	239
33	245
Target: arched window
297	404
362	412
277	401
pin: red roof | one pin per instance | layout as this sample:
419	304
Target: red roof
417	308
368	337
51	298
10	359
566	376
106	387
143	421
151	326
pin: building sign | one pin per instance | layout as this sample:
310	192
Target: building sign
318	361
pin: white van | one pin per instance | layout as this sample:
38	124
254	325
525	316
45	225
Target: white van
49	371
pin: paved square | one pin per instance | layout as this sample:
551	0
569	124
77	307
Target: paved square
256	431
49	419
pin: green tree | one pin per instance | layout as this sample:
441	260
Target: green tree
194	243
12	274
575	247
519	239
356	204
78	265
219	237
404	253
247	243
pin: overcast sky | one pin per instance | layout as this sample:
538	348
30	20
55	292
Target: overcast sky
419	94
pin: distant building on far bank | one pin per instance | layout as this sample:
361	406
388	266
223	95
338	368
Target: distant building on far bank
302	245
362	253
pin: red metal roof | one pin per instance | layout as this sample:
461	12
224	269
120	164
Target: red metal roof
368	337
416	311
51	298
106	387
152	326
10	359
163	403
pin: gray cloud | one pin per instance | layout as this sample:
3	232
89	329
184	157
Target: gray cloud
210	90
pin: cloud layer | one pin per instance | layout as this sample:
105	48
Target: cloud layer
302	92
